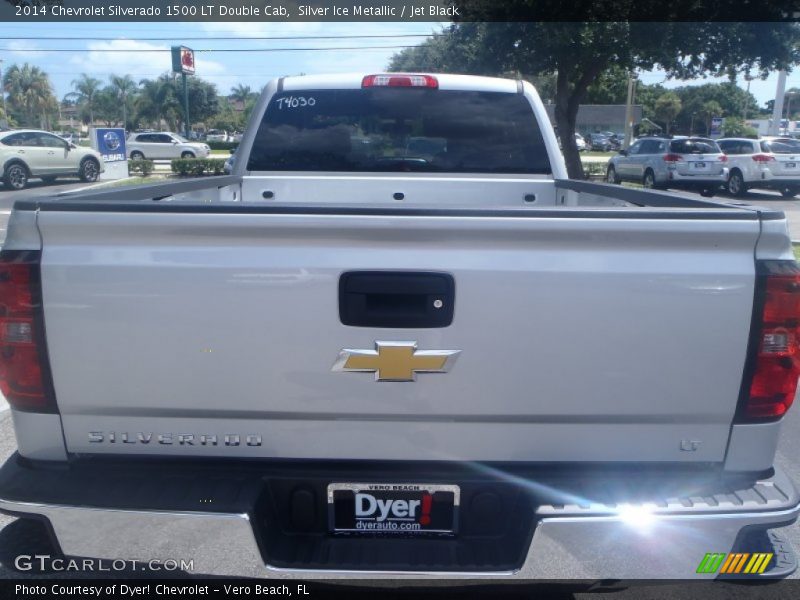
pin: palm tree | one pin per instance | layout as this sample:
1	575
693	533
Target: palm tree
241	93
157	99
86	89
125	88
29	92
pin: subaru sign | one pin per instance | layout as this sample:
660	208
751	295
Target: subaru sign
110	143
716	127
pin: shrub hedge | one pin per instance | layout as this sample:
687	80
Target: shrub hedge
195	167
143	167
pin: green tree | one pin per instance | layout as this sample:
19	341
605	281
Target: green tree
203	99
732	99
226	118
736	127
30	95
157	101
241	93
124	88
580	52
708	111
610	87
85	92
647	96
162	99
667	108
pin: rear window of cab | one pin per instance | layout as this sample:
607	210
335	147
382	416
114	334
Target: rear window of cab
390	130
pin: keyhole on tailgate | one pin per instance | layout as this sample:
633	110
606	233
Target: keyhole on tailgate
267	195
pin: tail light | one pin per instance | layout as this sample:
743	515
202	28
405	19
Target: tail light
723	158
423	81
24	370
672	158
763	158
774	361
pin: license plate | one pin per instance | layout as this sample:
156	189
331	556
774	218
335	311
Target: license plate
699	165
393	508
791	165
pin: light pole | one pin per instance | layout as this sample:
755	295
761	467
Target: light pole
777	108
744	112
629	112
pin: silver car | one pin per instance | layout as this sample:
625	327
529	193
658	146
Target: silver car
164	145
686	163
765	164
30	153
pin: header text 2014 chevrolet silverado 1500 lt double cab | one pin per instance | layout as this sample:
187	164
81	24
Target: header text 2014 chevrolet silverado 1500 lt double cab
398	340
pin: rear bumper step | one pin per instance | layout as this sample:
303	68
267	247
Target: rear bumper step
239	521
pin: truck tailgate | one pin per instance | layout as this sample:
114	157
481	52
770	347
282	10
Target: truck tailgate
583	336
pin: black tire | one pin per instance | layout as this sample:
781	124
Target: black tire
789	192
611	175
736	185
16	176
707	192
649	180
136	155
90	170
187	154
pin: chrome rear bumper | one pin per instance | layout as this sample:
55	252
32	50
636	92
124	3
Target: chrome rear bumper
664	540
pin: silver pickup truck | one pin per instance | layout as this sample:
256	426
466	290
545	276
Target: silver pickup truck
397	341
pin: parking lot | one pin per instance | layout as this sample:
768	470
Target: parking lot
20	538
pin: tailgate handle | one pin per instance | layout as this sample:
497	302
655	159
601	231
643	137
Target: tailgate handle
398	299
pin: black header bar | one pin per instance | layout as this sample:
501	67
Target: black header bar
282	11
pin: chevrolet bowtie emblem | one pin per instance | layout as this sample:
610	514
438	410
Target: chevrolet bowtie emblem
396	361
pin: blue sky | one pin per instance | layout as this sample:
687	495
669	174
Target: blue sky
227	69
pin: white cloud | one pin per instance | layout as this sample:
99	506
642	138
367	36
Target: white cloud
327	61
140	60
22	49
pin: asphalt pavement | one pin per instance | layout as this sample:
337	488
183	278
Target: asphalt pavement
17	537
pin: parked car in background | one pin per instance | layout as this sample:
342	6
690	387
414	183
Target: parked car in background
237	137
765	164
615	139
599	142
581	143
216	135
689	163
30	153
164	145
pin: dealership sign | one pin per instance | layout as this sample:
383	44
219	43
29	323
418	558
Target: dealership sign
183	60
110	142
716	127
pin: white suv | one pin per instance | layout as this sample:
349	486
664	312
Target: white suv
164	145
29	153
768	164
216	135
